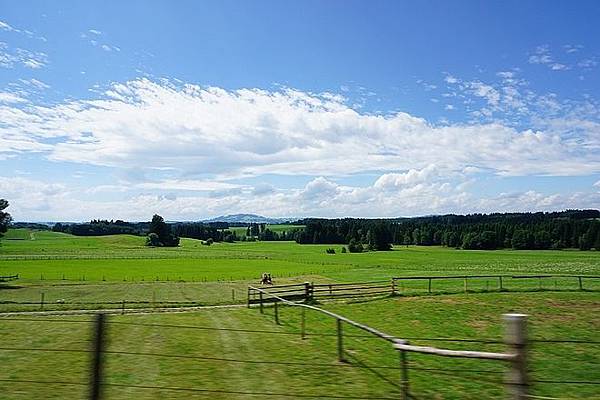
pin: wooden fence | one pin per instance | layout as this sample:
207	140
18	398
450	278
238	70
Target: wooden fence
516	381
9	278
308	291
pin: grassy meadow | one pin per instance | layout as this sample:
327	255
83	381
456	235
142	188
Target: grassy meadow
100	272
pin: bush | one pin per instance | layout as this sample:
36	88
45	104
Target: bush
343	249
330	251
355	247
152	240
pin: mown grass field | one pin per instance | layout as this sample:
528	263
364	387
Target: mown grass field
100	272
279	361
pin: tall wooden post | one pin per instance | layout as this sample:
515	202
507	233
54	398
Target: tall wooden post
466	287
340	344
404	371
260	296
42	302
276	311
580	283
98	349
500	278
516	338
429	286
248	297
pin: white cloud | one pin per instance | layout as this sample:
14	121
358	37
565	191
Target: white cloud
588	63
6	27
249	132
558	67
415	192
8	97
413	176
30	59
572	48
541	56
194	185
35	83
450	79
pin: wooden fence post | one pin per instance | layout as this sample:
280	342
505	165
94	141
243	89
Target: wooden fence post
466	287
233	295
404	371
340	344
580	283
276	311
393	286
42	302
123	307
306	291
98	344
516	338
429	286
500	278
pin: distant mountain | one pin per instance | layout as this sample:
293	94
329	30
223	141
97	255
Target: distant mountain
248	218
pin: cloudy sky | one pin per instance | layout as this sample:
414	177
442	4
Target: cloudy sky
291	109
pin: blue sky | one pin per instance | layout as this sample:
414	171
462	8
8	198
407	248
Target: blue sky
338	108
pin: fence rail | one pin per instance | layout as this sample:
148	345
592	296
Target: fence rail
308	291
516	381
9	278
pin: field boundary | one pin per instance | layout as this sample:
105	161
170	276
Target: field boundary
309	291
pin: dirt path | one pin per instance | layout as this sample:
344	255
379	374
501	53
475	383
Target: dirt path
116	311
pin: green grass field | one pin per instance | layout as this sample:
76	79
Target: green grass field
101	272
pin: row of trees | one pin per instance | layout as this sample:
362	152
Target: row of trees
556	230
201	231
99	227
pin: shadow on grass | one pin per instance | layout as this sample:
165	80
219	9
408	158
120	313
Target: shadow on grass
8	287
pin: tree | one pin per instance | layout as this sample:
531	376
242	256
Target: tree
5	217
152	240
163	231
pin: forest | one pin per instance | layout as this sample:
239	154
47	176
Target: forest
553	230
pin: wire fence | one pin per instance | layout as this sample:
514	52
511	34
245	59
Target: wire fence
518	381
467	375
